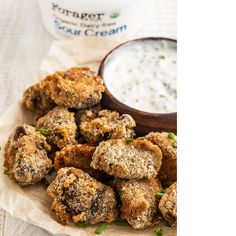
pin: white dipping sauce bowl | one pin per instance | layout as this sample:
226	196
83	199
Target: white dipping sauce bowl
145	121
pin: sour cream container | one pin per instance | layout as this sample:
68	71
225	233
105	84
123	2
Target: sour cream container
92	18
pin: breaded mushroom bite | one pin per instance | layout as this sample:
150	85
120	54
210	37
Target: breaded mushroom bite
61	127
97	126
78	196
168	145
127	158
36	98
26	156
76	87
139	201
168	204
78	156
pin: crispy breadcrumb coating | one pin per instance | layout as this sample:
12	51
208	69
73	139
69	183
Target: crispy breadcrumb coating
128	159
78	196
26	156
61	126
76	87
78	156
168	204
97	126
36	98
168	172
139	201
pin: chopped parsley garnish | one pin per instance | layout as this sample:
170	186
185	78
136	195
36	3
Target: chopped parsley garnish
129	140
121	223
5	172
174	144
45	182
82	224
163	191
101	228
159	194
173	137
159	231
162	57
43	131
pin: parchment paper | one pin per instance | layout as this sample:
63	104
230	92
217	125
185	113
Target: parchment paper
32	203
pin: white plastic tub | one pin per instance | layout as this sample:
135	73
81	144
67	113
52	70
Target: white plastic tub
92	18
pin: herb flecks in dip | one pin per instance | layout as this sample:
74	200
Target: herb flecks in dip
142	75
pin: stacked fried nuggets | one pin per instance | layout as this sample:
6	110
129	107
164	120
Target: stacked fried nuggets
80	190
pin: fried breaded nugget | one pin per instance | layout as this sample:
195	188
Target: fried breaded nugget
78	196
26	156
168	172
139	201
36	99
97	126
61	126
124	159
168	204
77	87
78	156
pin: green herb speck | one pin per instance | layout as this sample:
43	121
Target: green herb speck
174	144
101	228
162	57
5	172
159	194
129	140
159	231
121	223
43	131
114	15
163	191
172	136
82	224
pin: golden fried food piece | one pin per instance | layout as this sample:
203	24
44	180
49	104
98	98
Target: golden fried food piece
77	87
26	156
168	172
36	99
78	196
97	126
61	126
78	156
128	159
139	201
168	204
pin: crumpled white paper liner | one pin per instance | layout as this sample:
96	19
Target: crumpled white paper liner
32	204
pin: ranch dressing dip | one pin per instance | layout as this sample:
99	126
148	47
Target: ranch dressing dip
142	75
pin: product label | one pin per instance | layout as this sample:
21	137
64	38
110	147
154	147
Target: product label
80	23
